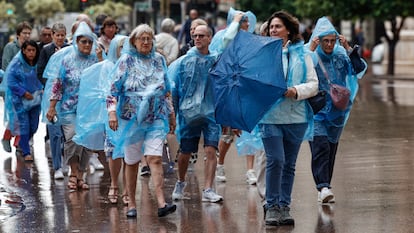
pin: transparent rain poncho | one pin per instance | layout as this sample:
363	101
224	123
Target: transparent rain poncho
340	71
63	72
92	115
19	78
249	143
223	37
139	91
192	89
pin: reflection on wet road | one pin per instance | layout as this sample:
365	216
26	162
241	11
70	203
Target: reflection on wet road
373	185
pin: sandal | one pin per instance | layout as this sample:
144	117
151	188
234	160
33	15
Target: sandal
73	183
82	185
113	195
125	199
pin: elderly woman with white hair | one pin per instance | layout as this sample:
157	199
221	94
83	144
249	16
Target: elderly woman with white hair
140	108
165	43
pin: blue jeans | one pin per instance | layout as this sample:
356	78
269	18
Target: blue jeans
56	144
323	161
281	144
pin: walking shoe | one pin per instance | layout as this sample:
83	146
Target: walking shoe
145	171
178	193
326	195
285	218
166	210
59	174
94	161
210	196
320	200
273	216
220	174
6	145
251	177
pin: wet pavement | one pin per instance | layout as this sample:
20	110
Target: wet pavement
373	184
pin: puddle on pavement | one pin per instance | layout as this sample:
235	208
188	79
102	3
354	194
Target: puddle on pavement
10	204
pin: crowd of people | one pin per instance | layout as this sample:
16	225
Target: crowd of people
123	98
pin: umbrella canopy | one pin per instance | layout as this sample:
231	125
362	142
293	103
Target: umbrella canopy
248	80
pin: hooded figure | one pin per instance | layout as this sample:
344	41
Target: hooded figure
64	92
222	38
330	52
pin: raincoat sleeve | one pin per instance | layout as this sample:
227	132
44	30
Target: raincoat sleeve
230	33
173	76
310	87
12	80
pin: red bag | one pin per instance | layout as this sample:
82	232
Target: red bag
340	96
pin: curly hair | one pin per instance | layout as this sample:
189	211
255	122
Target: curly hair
291	23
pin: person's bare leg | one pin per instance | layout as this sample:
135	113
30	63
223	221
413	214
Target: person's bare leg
223	148
157	175
249	161
131	173
209	166
183	166
114	169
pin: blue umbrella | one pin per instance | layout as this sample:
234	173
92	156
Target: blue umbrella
248	80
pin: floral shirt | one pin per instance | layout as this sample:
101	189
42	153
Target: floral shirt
65	88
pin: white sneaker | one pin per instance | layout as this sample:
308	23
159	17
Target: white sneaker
220	174
251	177
94	161
210	196
178	193
326	195
59	174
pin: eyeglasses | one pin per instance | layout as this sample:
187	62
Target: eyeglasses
84	42
144	39
326	41
201	36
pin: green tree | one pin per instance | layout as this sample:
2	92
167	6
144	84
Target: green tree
393	11
42	10
264	9
7	12
113	9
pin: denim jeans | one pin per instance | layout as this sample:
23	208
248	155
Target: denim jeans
323	160
281	144
56	144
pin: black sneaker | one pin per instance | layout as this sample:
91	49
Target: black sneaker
286	219
168	209
273	216
145	171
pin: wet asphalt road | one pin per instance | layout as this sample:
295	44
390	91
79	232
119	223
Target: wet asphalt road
373	185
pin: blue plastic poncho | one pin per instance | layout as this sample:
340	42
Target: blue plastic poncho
95	84
192	89
340	71
140	86
20	77
249	143
222	38
65	86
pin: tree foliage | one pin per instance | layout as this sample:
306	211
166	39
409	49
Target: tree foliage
113	9
7	12
42	10
393	11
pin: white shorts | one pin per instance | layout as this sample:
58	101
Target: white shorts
135	152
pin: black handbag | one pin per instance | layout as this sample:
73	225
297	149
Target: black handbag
318	101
